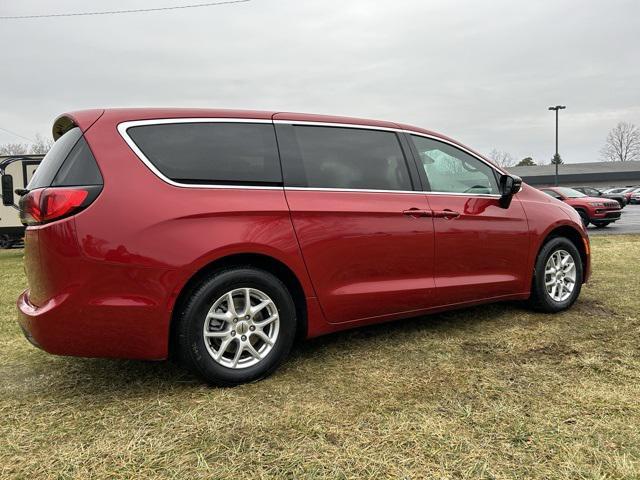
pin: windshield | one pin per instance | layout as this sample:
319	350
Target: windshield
569	192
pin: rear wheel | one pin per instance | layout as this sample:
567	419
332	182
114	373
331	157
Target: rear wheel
237	326
557	276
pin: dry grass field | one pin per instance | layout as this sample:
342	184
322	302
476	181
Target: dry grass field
488	392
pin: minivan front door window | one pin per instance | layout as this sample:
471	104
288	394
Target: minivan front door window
449	169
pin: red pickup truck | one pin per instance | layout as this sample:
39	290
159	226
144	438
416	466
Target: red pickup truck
598	211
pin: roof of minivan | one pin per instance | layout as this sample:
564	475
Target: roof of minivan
85	118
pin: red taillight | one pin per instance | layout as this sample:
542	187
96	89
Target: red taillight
58	202
49	204
30	208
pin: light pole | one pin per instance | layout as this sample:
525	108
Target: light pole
556	158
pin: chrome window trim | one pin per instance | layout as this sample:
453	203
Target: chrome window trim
390	129
397	130
124	126
311	123
363	190
353	190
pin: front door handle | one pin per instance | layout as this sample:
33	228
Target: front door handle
448	214
417	213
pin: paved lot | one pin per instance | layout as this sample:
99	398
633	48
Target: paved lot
629	223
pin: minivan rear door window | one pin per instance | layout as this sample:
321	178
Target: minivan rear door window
347	158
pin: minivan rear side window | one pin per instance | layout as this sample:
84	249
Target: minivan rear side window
347	158
211	152
68	163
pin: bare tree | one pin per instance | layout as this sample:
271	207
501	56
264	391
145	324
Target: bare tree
14	149
623	143
41	145
502	158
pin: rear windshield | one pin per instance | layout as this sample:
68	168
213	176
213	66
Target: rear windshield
68	163
211	152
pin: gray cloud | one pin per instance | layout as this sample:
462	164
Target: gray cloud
481	72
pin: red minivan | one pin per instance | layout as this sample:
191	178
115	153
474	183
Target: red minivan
219	237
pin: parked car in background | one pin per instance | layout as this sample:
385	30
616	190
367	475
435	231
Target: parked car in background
632	195
620	190
626	192
635	198
220	236
600	212
594	192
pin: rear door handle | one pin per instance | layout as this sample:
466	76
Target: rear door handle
448	214
417	213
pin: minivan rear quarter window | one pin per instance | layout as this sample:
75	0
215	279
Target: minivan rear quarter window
349	158
211	152
53	160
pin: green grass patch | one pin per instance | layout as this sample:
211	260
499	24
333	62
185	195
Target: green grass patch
488	392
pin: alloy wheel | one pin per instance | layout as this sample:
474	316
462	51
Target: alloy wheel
560	275
241	328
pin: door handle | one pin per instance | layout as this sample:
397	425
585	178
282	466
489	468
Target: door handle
447	214
417	213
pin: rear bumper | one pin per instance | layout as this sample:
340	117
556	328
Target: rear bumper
53	327
109	328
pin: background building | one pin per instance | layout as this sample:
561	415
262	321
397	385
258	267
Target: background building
596	174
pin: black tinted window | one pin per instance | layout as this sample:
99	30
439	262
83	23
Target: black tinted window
79	168
334	157
51	163
233	153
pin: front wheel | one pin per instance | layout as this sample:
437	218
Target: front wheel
584	217
237	326
557	276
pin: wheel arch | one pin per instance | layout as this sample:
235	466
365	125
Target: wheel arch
574	236
257	260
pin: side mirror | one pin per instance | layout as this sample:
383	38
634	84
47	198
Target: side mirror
509	186
7	190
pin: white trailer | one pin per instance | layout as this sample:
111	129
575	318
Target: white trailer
15	173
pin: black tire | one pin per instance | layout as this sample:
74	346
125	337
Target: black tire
600	224
191	348
584	217
5	241
540	300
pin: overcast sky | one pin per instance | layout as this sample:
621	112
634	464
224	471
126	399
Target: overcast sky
481	72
